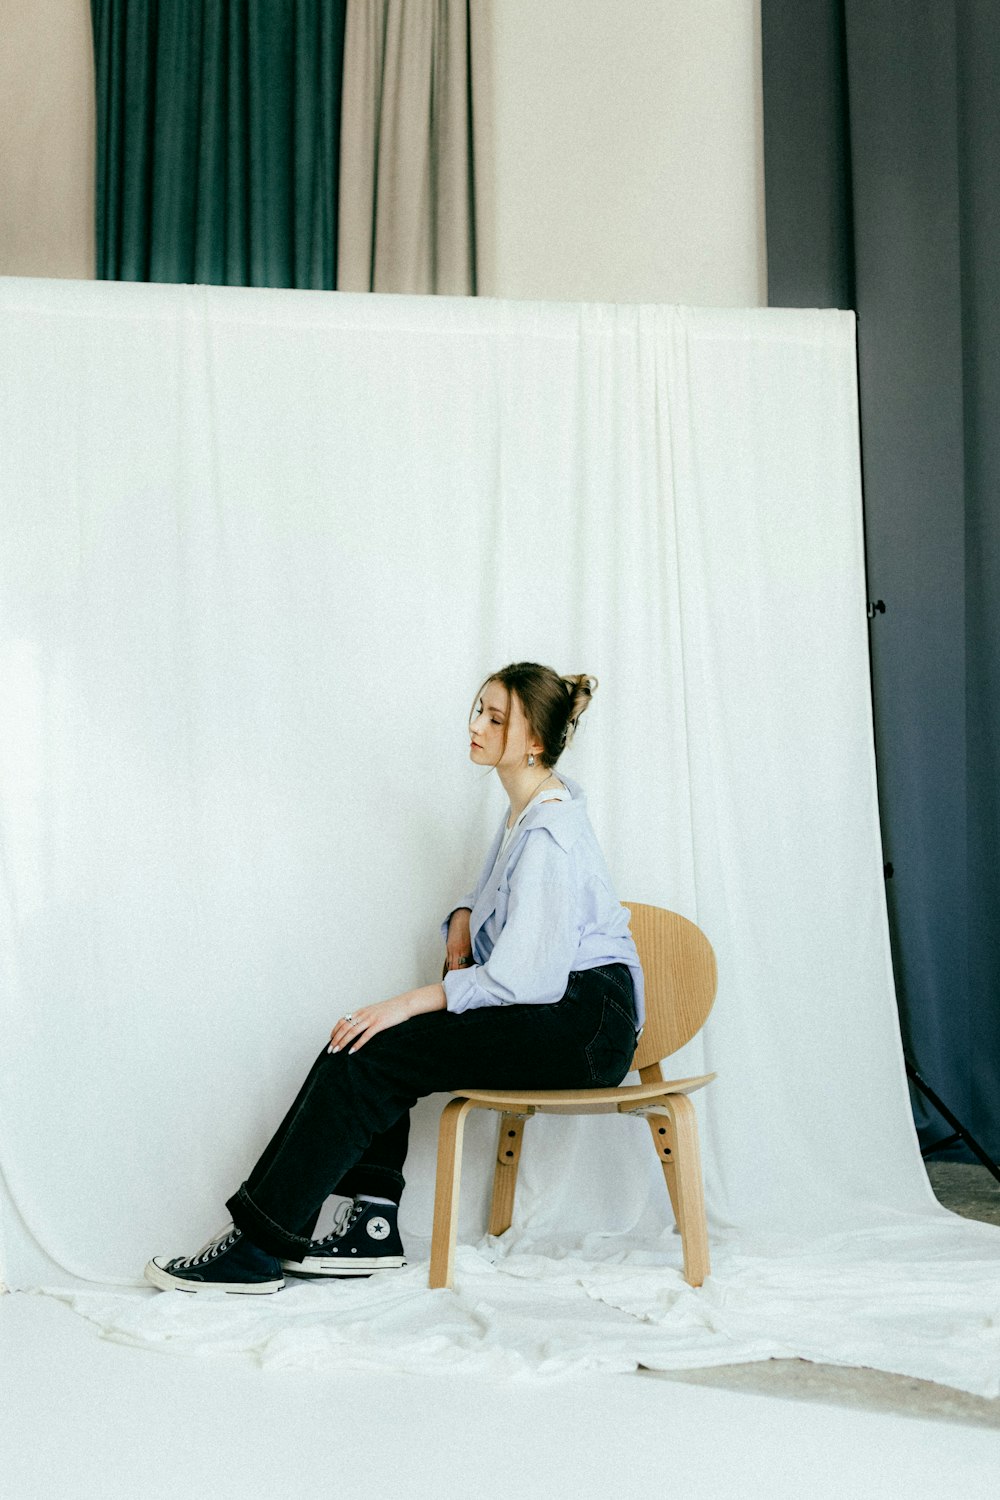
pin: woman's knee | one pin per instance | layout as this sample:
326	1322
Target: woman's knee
392	1061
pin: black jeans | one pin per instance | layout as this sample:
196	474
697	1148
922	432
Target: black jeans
348	1128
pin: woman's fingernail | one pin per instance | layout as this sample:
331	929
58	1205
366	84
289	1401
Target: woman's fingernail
332	1048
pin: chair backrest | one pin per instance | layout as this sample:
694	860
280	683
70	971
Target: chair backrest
679	969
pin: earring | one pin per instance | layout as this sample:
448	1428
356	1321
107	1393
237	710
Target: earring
531	760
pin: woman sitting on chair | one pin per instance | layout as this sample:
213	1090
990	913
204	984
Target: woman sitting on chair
542	990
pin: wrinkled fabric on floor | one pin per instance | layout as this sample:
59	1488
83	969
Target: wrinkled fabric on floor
912	1300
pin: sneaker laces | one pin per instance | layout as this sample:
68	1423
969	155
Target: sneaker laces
224	1240
345	1216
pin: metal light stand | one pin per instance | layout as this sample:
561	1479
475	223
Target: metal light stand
960	1132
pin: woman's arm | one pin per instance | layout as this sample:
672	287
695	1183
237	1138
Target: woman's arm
459	938
368	1020
355	1030
470	899
540	938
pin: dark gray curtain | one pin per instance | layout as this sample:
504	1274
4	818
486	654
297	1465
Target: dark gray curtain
218	140
882	184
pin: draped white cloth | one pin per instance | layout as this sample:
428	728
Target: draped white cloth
258	550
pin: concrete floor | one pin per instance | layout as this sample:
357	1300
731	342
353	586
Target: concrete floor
969	1190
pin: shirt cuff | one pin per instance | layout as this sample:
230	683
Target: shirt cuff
462	990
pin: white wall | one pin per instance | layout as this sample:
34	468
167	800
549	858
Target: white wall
629	160
629	155
47	136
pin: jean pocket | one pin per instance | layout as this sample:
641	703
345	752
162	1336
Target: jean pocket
610	1054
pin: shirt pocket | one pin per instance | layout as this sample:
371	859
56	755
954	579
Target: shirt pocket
502	901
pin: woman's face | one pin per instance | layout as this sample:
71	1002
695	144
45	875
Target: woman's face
486	729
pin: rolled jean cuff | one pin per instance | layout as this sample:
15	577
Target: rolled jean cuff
264	1232
376	1181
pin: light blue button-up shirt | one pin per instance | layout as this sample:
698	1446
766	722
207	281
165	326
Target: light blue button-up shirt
545	907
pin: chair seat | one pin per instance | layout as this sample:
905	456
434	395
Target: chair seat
619	1100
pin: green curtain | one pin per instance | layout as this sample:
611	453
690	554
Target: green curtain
218	140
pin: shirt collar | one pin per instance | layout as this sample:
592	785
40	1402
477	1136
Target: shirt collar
564	820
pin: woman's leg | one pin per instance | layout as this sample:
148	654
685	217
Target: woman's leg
585	1039
379	1173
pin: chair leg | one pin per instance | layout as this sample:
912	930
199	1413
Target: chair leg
505	1172
446	1189
661	1127
689	1187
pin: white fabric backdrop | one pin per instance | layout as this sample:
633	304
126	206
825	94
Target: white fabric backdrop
258	550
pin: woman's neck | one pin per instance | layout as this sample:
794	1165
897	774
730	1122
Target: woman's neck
522	784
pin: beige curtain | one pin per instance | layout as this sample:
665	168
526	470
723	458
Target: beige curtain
416	167
46	139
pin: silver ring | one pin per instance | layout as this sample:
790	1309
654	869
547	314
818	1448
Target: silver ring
349	1020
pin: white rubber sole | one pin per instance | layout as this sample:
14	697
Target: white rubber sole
158	1276
318	1266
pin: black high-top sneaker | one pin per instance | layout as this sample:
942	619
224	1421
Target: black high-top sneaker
228	1263
365	1239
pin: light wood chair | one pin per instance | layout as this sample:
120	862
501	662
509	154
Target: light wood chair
679	970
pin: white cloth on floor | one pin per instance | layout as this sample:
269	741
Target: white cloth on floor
909	1300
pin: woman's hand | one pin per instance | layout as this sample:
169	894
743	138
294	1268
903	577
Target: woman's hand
361	1025
459	948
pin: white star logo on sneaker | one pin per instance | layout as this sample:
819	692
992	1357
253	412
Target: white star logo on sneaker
378	1228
